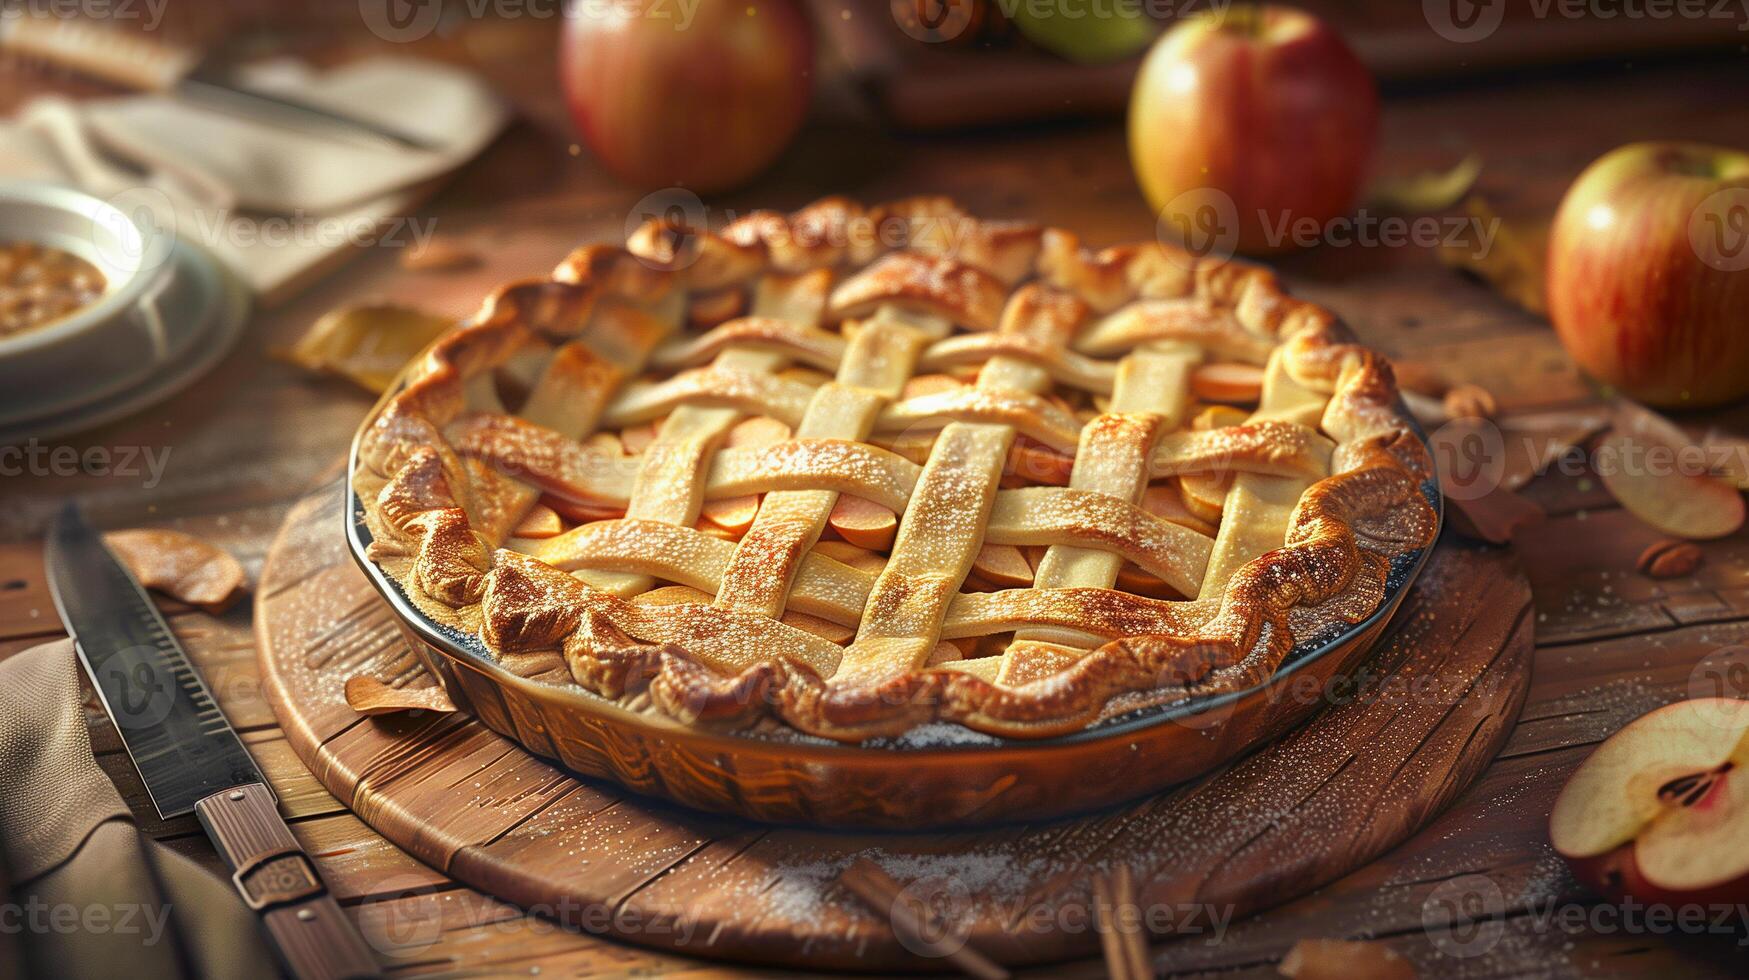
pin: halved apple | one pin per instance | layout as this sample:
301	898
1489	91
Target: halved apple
1660	812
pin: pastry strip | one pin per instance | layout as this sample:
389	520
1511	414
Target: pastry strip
1255	516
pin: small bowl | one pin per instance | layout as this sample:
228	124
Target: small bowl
104	347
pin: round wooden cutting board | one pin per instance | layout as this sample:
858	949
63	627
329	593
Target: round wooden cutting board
1393	749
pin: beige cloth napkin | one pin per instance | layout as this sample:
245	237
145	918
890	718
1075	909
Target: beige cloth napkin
277	204
82	892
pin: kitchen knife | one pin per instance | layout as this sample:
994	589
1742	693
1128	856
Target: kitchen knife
136	62
188	756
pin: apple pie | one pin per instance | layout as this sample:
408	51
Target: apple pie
850	471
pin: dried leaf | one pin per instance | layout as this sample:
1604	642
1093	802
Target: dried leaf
1428	191
1511	256
369	696
367	344
180	565
1496	516
1534	442
1420	377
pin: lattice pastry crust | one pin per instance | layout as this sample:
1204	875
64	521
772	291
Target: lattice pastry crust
854	470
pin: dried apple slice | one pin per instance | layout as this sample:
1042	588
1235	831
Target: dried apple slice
1205	494
1033	463
1166	501
1003	566
1217	417
1345	959
439	255
849	554
637	438
541	521
1663	494
943	653
825	629
369	696
181	566
367	344
929	384
1729	456
756	431
1517	263
863	523
1660	811
1240	384
732	514
1427	191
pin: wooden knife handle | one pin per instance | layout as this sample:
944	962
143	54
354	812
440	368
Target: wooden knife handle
278	880
129	60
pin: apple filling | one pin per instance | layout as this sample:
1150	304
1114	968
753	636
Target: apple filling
40	285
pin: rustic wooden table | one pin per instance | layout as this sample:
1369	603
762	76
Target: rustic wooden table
246	441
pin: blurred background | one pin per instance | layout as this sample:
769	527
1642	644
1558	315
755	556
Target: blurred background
598	114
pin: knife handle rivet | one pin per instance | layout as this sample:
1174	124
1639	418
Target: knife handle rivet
306	915
236	794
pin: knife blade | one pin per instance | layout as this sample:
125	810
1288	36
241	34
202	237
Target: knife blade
187	754
147	64
178	739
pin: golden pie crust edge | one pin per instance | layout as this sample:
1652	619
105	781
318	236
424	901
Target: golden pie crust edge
416	489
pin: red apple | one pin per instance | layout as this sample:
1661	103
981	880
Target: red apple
1660	811
1648	279
1267	106
703	94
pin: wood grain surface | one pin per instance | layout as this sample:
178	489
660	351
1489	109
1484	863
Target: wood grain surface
1393	748
245	443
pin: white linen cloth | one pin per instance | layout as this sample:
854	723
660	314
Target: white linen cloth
279	205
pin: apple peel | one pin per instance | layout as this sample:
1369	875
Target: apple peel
181	566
